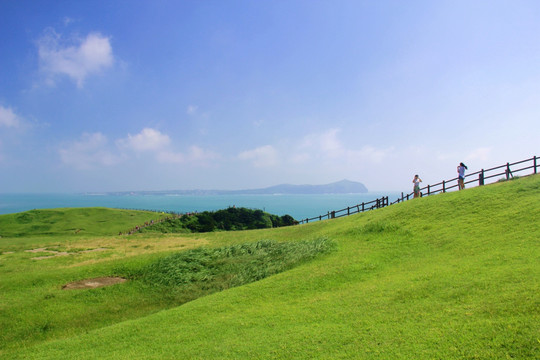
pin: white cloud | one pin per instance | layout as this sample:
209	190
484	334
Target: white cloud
8	118
199	154
159	145
326	142
77	60
194	155
88	152
316	153
94	150
68	21
12	126
192	109
147	140
328	146
264	156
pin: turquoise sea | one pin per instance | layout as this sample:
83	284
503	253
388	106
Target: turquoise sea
298	206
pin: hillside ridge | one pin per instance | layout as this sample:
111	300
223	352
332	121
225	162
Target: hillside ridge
450	276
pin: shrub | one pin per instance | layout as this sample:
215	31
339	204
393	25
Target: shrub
225	220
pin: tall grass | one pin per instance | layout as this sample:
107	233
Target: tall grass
34	308
230	266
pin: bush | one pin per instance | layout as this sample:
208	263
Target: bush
225	220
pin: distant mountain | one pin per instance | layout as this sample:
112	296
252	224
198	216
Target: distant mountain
340	187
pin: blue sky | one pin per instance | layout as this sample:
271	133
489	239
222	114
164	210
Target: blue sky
157	95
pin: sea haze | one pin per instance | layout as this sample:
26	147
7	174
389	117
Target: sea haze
299	201
339	187
299	206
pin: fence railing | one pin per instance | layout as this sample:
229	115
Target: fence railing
350	210
477	178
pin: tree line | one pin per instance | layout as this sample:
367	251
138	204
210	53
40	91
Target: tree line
229	219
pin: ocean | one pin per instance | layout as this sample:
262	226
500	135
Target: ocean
298	206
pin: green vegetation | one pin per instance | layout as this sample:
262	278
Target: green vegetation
202	271
450	276
81	222
228	219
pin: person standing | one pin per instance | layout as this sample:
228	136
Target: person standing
416	181
461	175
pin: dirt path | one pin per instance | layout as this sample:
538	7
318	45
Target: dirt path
93	283
59	253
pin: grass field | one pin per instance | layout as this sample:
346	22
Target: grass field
452	276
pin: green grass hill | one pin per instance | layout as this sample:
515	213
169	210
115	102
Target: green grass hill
451	276
69	221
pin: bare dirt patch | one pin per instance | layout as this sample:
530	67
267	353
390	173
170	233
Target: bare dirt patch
38	250
94	250
60	253
42	250
50	257
93	283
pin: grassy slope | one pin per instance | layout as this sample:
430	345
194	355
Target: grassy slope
450	276
71	221
33	308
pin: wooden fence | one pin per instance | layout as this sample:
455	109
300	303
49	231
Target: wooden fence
365	206
479	178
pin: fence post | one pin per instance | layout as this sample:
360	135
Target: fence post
402	197
333	214
534	164
363	207
443	186
428	191
348	211
481	178
508	172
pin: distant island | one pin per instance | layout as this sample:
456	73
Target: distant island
340	187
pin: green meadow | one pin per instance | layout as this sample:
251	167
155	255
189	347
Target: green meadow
450	276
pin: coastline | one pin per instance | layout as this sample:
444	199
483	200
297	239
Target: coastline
297	205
